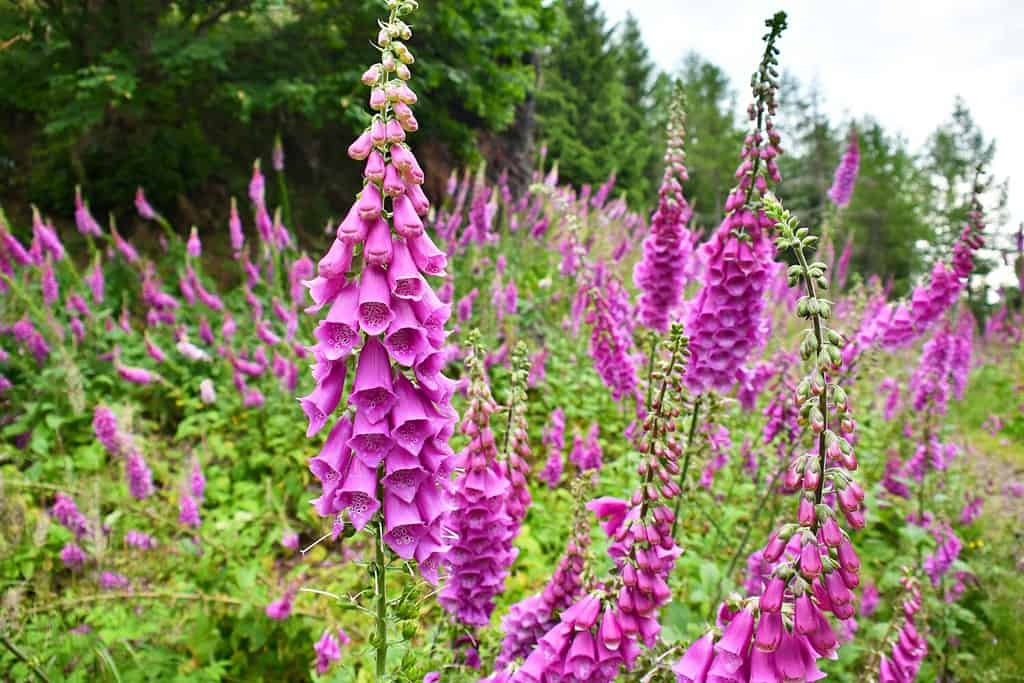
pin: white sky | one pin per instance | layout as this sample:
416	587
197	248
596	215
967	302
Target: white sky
902	61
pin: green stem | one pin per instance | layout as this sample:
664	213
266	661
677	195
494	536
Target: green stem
823	398
686	461
286	205
650	370
769	489
380	569
16	651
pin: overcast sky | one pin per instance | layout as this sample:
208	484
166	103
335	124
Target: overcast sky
902	61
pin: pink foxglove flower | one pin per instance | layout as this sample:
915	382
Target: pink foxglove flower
661	273
188	511
142	205
72	556
483	552
86	224
104	424
725	322
139	476
66	512
140	540
386	457
846	173
328	651
554	440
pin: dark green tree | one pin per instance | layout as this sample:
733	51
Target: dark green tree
580	96
180	96
713	138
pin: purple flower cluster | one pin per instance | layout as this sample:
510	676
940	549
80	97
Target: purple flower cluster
660	275
587	455
929	301
943	368
611	338
554	440
328	651
846	174
72	556
909	646
479	559
529	619
725	321
139	476
66	512
384	314
814	566
104	423
140	540
946	552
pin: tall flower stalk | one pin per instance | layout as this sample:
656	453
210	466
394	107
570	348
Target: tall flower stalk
725	321
601	632
661	274
780	633
386	460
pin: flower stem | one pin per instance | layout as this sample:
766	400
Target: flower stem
380	575
650	370
686	461
812	294
16	651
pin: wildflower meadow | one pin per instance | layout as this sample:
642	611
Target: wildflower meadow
484	418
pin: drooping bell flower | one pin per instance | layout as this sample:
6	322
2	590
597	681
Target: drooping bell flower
725	322
611	345
86	224
142	205
72	556
846	173
554	440
66	512
188	511
194	247
483	552
139	539
47	237
328	651
104	424
139	476
386	461
123	246
661	273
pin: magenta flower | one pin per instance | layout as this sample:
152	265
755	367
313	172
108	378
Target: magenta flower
386	456
86	224
194	247
661	273
483	552
846	173
142	205
46	236
104	424
139	476
188	511
66	512
328	651
609	313
139	539
113	581
281	609
72	556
